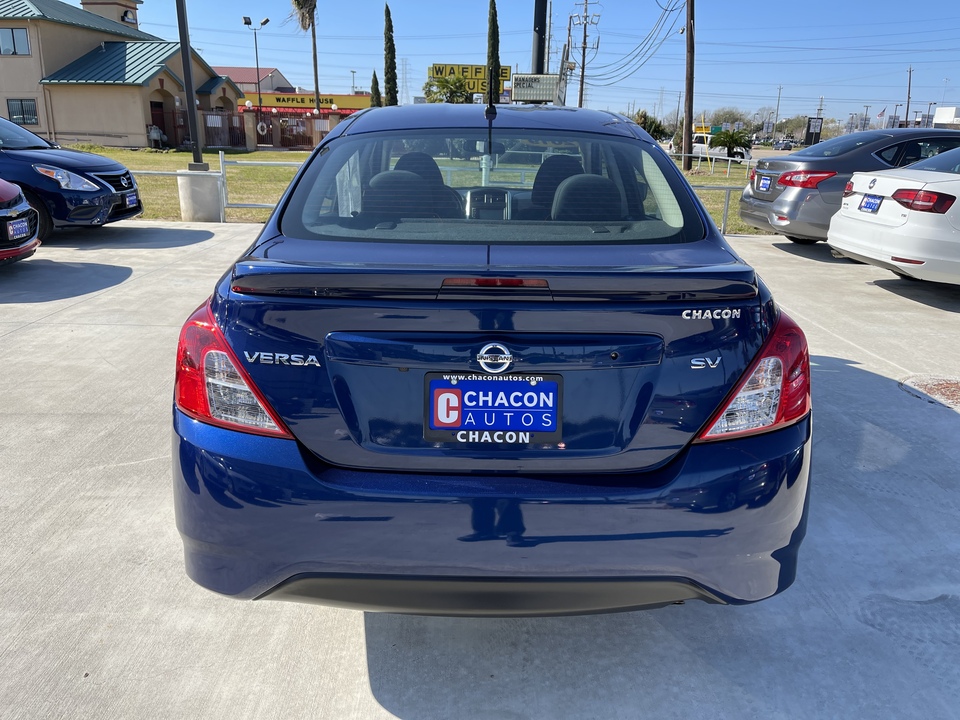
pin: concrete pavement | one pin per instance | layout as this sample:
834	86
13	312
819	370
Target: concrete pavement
98	620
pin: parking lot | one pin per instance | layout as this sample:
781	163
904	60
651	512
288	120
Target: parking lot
98	619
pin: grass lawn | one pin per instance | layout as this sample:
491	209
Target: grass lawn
261	184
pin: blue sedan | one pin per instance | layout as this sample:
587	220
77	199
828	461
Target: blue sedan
491	362
67	188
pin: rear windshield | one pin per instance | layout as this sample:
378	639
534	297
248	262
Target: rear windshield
468	186
948	162
840	145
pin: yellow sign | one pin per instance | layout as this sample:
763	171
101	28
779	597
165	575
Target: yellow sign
475	75
305	101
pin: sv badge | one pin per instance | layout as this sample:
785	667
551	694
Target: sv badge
704	362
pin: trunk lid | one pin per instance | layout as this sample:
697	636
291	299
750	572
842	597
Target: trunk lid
872	199
559	364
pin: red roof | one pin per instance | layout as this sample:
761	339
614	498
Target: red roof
246	75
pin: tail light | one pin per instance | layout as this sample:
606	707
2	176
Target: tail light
775	391
924	200
804	178
753	174
848	190
211	385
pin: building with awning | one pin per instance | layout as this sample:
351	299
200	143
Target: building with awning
89	74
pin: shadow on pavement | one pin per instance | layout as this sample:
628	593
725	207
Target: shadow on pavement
937	295
819	252
38	280
125	236
871	604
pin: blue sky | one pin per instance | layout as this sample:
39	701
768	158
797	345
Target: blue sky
852	54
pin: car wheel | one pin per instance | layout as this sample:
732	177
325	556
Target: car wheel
46	224
802	241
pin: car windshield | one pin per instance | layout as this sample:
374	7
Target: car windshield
948	162
511	186
839	145
14	137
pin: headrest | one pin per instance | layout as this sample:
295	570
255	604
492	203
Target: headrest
554	170
587	198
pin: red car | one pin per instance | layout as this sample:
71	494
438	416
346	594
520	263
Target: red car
18	225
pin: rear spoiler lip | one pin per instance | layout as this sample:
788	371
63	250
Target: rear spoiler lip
700	284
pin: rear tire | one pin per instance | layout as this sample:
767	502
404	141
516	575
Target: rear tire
802	241
45	226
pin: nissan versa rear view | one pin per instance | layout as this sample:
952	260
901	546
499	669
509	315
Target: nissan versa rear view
491	362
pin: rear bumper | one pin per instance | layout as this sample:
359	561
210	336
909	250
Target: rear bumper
487	597
261	519
935	253
804	216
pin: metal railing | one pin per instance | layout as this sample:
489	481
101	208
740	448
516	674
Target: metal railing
716	163
727	189
223	182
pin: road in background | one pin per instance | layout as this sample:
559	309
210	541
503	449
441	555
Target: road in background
98	620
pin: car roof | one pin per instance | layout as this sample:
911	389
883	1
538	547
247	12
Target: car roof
471	115
872	135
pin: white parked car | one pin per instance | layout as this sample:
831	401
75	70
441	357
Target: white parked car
701	146
906	220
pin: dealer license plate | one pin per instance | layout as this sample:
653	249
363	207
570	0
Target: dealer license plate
763	183
870	203
18	229
130	199
480	409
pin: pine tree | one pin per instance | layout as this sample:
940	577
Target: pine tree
389	60
375	99
493	55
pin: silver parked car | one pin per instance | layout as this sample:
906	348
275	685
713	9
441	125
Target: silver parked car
796	195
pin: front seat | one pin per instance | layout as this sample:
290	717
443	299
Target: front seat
911	154
554	170
448	202
587	198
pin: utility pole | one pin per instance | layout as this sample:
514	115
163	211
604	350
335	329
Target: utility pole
776	120
866	118
539	37
585	21
909	80
688	88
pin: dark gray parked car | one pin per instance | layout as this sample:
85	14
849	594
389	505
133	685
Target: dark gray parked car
796	195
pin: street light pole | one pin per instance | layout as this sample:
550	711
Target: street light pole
896	117
256	55
929	119
353	82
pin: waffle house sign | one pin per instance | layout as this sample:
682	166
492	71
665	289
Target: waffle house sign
475	75
304	101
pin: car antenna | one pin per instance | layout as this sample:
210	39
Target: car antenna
490	112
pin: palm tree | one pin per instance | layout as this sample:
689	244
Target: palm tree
732	140
306	13
449	89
